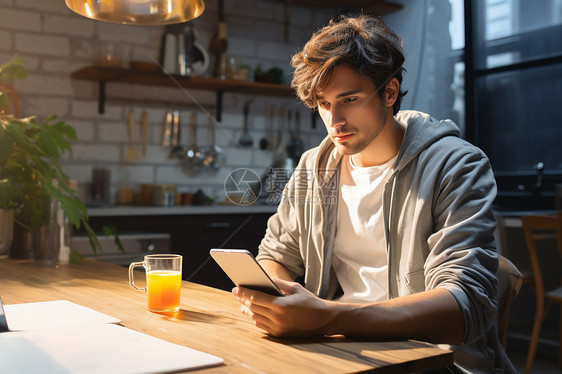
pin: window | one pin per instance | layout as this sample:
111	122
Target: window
516	77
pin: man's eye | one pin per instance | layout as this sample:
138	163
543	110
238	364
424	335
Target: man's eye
323	104
350	100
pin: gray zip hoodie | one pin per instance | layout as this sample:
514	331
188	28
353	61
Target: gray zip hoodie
439	229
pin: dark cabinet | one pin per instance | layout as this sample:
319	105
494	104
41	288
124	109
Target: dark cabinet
194	235
226	231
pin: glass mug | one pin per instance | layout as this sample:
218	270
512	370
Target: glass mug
163	281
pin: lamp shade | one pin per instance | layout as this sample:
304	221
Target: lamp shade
138	12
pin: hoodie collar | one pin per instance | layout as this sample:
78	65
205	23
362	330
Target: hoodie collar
422	130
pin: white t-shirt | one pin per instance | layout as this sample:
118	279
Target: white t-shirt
359	257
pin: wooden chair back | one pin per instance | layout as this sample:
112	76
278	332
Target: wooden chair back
538	228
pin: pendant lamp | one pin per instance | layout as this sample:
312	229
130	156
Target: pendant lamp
138	12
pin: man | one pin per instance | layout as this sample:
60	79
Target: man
388	221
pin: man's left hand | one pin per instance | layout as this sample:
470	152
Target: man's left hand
298	313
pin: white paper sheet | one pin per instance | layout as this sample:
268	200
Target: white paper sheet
106	348
52	314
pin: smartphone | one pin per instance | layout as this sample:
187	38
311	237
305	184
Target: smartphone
243	269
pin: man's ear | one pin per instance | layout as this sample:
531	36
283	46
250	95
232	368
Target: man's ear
391	92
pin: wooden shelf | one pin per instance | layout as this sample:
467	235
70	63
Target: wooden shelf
103	75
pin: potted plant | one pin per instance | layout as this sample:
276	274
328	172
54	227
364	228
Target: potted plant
32	183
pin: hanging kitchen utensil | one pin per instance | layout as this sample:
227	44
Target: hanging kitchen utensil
273	139
177	148
290	147
246	140
280	152
175	140
192	156
214	157
298	144
266	140
167	129
144	131
131	154
219	44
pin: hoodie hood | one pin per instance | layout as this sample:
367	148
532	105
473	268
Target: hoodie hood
422	130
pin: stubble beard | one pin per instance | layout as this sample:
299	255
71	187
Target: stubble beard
353	149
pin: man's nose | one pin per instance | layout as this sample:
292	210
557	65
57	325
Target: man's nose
337	118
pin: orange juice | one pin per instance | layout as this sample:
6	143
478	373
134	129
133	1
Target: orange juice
164	288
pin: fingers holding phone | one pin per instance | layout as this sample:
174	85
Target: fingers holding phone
299	313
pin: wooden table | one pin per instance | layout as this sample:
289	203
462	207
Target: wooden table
209	321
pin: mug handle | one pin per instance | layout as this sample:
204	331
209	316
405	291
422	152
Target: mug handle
132	278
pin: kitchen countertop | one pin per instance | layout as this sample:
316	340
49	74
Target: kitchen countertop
519	213
179	210
512	219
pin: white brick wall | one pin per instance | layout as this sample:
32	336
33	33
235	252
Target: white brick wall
55	42
51	6
85	130
96	152
20	20
44	106
46	84
68	25
6	41
40	44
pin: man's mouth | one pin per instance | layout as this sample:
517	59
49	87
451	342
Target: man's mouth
342	137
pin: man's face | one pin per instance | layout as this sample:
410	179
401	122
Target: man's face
352	110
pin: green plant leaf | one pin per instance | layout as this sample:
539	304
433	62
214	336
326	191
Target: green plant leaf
93	238
13	69
6	148
30	173
76	257
112	231
9	194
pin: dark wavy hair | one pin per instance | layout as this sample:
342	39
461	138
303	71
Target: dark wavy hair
363	43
